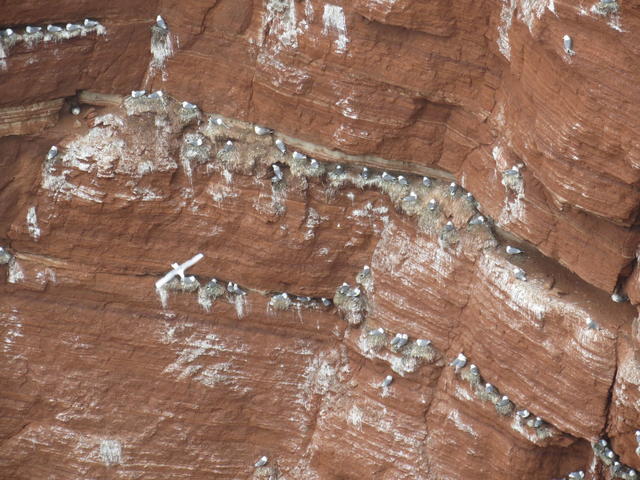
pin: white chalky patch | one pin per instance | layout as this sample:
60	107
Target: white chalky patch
334	21
32	223
111	452
16	274
454	416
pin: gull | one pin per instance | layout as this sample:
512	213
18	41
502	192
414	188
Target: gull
138	93
189	106
262	130
412	197
377	331
523	413
520	274
228	146
88	23
218	121
73	27
52	153
402	180
491	389
325	301
421	342
567	43
339	170
400	340
513	250
426	181
366	270
31	30
579	475
479	220
298	156
280	145
388	178
469	197
387	381
160	23
277	172
459	362
6	33
178	270
344	288
449	226
619	298
512	172
503	402
195	141
453	188
54	29
433	204
365	173
157	94
75	110
537	423
313	163
353	292
262	461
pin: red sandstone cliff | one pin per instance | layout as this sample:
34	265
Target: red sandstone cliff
103	376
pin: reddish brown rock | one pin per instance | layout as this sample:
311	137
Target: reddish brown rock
103	376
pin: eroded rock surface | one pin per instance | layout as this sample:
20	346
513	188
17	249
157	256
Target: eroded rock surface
104	376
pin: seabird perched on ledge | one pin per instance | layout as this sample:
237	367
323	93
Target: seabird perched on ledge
88	23
432	205
156	95
228	146
364	173
426	181
262	461
400	340
449	226
387	381
7	33
298	156
160	23
512	172
412	197
54	29
479	220
52	153
377	331
402	180
619	298
138	93
523	413
262	130
73	27
520	274
189	106
567	43
388	178
277	173
325	301
31	29
339	169
280	145
512	250
459	362
453	188
218	121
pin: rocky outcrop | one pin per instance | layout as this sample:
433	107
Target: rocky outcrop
448	357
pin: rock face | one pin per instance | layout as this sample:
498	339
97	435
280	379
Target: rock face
418	139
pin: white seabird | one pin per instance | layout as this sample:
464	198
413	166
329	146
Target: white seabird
262	130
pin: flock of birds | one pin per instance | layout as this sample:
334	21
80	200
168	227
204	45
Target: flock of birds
33	33
347	298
